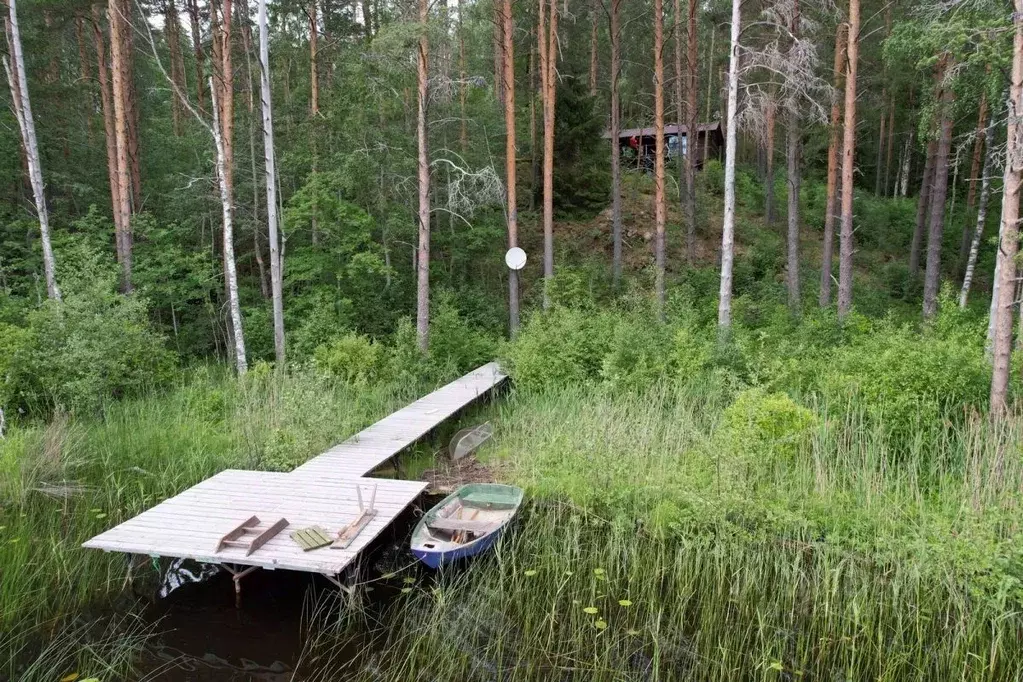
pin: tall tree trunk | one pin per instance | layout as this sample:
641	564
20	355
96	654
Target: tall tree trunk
121	114
978	232
693	133
594	61
498	49
109	128
534	156
971	192
314	112
792	154
659	200
845	250
26	123
710	86
264	284
172	32
200	57
510	167
1008	238
728	227
769	161
680	117
132	108
463	121
85	73
227	211
886	189
548	69
616	149
881	136
907	159
834	142
266	106
922	210
932	275
423	259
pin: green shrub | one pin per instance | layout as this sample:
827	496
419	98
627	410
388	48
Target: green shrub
637	356
561	347
455	345
350	357
762	427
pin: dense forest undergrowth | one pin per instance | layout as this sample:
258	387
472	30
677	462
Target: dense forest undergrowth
808	499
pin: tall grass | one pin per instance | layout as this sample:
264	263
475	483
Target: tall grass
653	550
66	481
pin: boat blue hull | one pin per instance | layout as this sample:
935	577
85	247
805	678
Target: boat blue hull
435	559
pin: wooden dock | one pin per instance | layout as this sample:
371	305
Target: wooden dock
321	492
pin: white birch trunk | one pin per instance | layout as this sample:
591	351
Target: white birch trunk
728	228
276	287
23	109
985	190
907	156
230	272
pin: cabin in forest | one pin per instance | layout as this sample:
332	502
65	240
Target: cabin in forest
639	144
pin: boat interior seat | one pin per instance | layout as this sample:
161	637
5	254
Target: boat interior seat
489	500
463	525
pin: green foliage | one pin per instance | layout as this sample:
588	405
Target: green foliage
94	346
562	347
351	357
582	182
764	427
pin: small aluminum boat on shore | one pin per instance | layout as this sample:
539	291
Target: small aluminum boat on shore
465	523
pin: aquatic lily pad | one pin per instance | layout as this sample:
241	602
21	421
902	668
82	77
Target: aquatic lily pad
70	677
101	516
601	624
97	510
576	602
592	610
598	571
409	580
624	602
632	632
406	590
531	572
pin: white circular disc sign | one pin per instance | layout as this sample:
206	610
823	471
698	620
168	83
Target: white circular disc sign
515	258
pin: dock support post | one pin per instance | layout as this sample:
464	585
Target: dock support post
236	575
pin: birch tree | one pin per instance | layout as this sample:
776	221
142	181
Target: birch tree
936	226
1003	301
978	232
728	226
276	292
18	81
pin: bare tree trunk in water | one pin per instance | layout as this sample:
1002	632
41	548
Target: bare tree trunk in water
548	71
510	167
659	201
26	123
616	150
728	228
834	158
423	260
266	107
1008	239
845	251
922	211
932	274
978	232
227	209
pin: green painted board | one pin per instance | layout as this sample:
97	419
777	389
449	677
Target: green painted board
311	538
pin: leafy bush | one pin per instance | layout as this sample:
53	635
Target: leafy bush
637	356
762	427
94	346
561	347
350	357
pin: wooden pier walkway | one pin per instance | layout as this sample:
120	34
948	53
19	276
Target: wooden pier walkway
322	492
